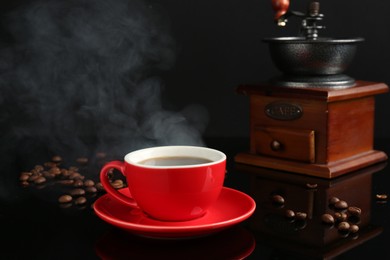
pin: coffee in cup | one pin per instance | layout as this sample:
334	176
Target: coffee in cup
170	183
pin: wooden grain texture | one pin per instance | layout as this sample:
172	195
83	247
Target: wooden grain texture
350	127
328	171
342	121
296	145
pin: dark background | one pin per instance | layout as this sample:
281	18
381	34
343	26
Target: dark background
219	46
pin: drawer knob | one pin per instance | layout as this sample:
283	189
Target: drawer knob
276	145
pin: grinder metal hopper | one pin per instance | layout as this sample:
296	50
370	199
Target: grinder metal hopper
308	59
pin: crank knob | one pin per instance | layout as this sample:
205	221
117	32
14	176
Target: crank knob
280	7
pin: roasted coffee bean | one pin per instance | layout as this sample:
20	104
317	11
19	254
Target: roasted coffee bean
48	175
343	226
40	180
117	184
73	168
66	182
333	200
66	205
289	214
55	170
311	185
91	189
381	197
33	178
24	177
39	168
77	192
341	204
277	199
354	211
78	183
24	184
26	173
65	198
118	181
300	215
56	159
49	164
35	172
89	183
353	228
327	219
65	173
82	160
80	201
99	186
76	176
340	216
101	155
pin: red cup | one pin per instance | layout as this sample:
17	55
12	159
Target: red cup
170	183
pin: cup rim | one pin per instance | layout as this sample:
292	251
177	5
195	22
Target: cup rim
150	152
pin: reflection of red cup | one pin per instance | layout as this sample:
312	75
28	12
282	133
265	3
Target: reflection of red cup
179	191
233	243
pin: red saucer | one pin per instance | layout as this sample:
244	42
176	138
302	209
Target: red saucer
232	207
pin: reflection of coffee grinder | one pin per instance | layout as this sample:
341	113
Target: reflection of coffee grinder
312	217
313	119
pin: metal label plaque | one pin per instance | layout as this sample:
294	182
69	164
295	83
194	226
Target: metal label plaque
283	111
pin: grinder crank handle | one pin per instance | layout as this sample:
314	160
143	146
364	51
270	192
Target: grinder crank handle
281	11
280	7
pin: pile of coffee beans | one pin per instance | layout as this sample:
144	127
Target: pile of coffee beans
344	217
296	218
75	188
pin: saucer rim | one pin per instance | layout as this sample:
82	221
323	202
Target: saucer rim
184	227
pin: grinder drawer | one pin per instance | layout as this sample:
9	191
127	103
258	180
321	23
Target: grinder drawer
294	144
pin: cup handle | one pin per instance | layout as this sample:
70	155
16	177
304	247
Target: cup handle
120	166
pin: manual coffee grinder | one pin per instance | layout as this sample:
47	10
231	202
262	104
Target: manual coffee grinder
313	119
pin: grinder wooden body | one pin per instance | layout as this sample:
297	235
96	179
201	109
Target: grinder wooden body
324	132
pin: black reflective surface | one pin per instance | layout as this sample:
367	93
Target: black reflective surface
35	226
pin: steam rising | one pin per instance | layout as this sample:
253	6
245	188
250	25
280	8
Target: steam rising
82	68
82	72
